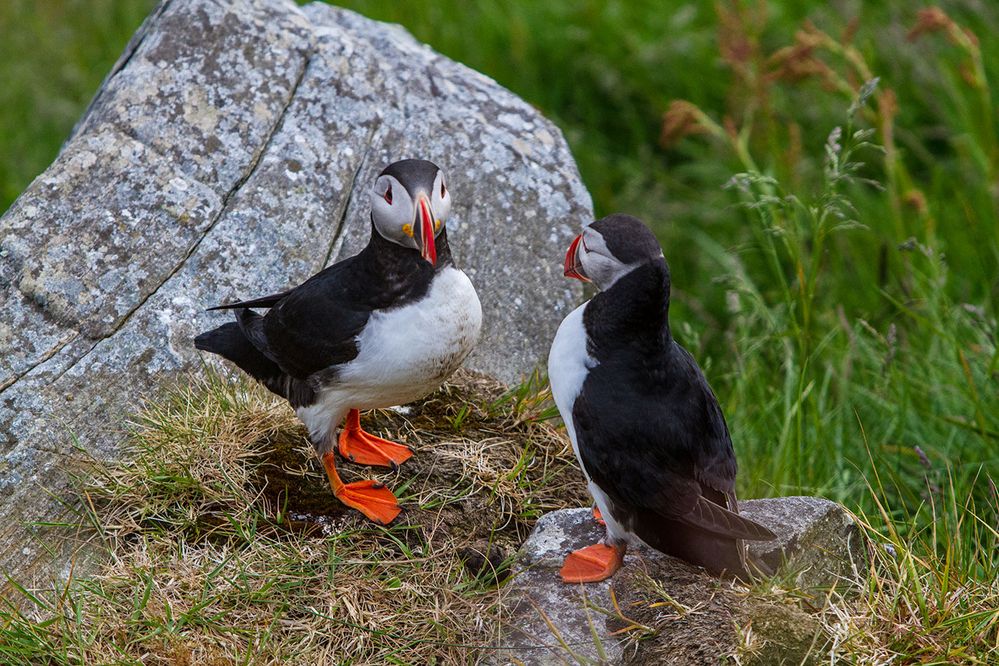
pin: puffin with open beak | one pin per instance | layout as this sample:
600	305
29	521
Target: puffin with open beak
645	426
384	327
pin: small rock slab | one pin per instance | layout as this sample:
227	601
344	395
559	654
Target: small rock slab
682	614
552	623
818	541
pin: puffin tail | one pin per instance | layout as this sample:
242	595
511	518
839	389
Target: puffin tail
720	555
231	342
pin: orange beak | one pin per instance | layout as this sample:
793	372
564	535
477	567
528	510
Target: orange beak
428	249
573	267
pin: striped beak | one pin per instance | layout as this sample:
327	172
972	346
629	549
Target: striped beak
573	267
425	231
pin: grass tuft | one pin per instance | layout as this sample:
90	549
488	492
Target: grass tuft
217	540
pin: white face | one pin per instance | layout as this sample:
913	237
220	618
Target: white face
400	214
597	262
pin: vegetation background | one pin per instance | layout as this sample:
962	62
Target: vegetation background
839	288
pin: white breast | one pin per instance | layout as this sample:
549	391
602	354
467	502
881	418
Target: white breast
568	365
405	353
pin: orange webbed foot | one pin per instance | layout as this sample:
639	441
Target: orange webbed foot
372	499
367	449
592	564
597	516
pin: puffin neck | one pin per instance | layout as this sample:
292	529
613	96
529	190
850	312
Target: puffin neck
444	258
395	258
635	308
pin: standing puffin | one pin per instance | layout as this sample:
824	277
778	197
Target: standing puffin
384	327
645	426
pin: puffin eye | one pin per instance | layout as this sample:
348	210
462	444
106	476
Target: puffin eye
388	195
443	191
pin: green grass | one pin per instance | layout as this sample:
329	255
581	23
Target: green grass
214	539
845	314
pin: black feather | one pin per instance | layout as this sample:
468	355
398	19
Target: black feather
650	431
229	342
296	348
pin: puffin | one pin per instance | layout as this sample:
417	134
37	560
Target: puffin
644	424
381	328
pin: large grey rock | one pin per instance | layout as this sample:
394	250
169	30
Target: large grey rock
228	154
682	614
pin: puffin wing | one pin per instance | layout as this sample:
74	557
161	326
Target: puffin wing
313	326
717	519
662	446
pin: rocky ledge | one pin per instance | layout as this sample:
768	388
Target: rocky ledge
660	610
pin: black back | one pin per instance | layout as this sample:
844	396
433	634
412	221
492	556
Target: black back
665	413
311	329
650	431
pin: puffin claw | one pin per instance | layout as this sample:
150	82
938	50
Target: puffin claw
372	499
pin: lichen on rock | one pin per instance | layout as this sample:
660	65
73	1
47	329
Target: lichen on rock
228	154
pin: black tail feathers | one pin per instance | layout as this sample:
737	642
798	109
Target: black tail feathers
229	342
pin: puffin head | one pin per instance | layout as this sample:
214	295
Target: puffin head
409	204
609	249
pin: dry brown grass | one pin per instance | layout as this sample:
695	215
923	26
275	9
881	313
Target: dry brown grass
215	540
220	541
